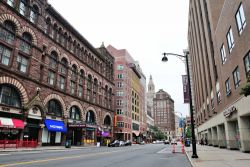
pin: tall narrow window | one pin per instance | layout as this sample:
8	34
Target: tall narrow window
240	19
230	40
236	75
64	65
23	7
7	33
34	14
223	54
61	83
53	60
4	55
72	87
25	43
247	63
51	77
74	73
228	88
22	63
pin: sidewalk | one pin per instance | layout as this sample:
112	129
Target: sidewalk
210	156
42	148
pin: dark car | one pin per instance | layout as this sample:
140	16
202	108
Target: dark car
114	143
127	143
166	141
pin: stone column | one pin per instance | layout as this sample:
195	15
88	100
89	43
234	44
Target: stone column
214	137
209	134
230	135
221	136
244	133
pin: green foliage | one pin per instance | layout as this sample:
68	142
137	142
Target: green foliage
246	89
188	132
158	134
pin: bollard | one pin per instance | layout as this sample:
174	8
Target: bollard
182	148
173	151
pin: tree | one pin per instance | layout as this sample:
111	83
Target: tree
188	132
246	89
157	133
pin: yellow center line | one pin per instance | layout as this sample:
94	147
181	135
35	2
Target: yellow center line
59	158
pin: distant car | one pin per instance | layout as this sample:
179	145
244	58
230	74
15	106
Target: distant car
114	143
127	143
173	141
166	142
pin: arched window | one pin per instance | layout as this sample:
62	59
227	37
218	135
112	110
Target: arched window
81	83
90	117
107	120
7	33
53	60
10	2
74	73
9	96
54	108
34	14
64	65
23	7
74	113
47	26
25	43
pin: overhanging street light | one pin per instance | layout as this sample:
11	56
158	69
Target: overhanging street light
165	59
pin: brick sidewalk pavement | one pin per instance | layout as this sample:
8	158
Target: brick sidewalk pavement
210	156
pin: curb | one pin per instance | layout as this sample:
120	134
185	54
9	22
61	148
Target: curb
190	159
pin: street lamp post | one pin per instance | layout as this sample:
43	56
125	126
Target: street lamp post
165	59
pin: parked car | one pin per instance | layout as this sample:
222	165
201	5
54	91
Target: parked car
121	143
114	143
142	142
166	141
127	143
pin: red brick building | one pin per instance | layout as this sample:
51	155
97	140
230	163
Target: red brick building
54	85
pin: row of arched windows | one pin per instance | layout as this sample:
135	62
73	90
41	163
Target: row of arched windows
25	8
10	40
9	96
78	84
65	40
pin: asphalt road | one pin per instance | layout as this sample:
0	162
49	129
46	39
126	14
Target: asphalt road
150	155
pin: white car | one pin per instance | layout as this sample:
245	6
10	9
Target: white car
173	141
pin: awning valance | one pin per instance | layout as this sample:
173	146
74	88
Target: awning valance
11	123
55	126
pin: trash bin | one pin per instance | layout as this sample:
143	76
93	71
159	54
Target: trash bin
187	142
68	144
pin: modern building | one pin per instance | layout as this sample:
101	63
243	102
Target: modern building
130	93
218	37
54	85
164	116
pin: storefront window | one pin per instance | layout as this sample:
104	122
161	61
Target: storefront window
9	96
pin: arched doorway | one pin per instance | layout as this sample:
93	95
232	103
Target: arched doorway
11	113
90	135
106	131
75	126
52	133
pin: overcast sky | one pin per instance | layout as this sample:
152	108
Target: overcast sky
145	28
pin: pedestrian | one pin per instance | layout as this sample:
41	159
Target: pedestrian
202	142
206	141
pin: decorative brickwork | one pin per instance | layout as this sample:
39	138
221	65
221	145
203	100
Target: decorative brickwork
57	97
5	17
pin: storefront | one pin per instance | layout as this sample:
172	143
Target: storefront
104	136
10	129
75	133
90	134
52	132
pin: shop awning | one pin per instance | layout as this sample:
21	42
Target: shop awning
55	126
11	123
136	133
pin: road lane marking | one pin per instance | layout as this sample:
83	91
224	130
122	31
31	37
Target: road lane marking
60	158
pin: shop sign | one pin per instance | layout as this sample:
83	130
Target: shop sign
5	109
77	125
229	111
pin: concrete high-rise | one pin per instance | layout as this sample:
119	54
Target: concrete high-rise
218	37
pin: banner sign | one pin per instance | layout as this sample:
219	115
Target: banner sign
185	88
